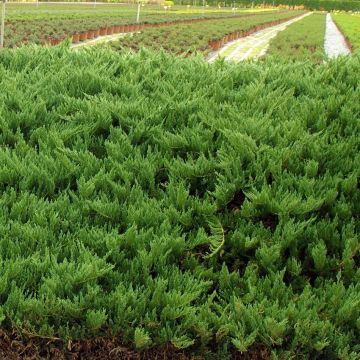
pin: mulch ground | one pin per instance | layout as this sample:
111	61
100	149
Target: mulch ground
16	347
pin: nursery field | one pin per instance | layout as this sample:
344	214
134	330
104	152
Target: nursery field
350	26
30	24
199	37
158	205
327	5
65	11
303	40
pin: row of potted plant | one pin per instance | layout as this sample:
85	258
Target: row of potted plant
217	44
40	31
184	39
116	29
93	34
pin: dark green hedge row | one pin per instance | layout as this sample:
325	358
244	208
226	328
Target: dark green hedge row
169	201
328	5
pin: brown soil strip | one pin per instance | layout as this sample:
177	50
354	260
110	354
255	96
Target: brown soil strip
20	347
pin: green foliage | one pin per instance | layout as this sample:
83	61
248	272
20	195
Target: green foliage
95	319
302	40
350	25
165	201
29	24
217	239
319	256
327	5
141	339
190	38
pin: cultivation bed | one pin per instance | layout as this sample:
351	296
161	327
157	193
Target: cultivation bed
110	33
153	205
53	26
123	29
103	39
301	41
200	37
253	44
349	25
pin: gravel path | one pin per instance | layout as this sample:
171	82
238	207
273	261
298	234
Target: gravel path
335	44
252	46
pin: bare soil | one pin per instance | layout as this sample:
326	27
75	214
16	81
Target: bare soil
24	347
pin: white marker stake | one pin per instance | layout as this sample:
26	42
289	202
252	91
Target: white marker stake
2	31
138	12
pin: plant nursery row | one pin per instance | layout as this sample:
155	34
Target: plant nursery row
302	40
200	37
349	24
27	30
211	211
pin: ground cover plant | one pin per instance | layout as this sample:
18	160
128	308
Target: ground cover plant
30	24
302	40
166	201
180	39
349	24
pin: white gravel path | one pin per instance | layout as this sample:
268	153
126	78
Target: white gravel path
252	46
335	44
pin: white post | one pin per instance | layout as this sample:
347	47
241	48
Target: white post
37	3
138	12
95	3
2	31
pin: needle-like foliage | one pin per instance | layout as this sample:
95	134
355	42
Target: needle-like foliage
164	200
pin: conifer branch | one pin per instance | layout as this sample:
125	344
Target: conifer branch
217	240
353	254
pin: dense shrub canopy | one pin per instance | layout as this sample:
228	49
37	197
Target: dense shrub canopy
167	200
302	40
327	5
